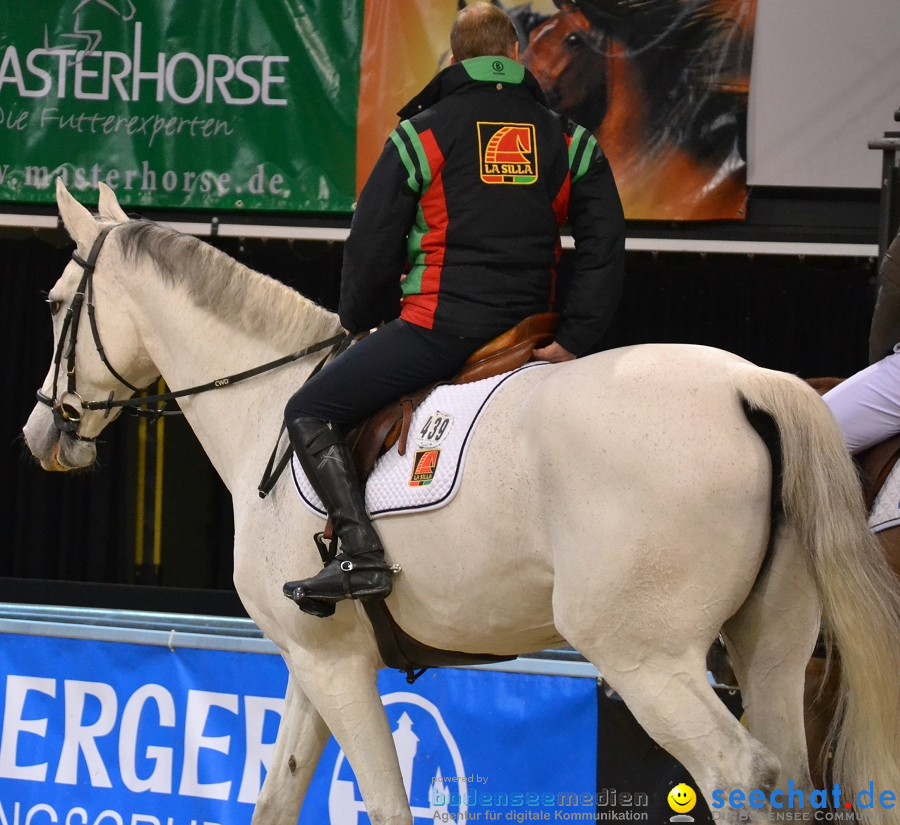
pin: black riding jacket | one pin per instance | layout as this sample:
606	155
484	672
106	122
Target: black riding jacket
467	199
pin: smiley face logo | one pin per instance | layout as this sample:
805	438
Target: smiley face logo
682	798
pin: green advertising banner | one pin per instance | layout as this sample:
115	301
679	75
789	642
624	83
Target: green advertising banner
182	104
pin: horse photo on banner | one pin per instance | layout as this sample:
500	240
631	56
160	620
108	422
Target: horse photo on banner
662	84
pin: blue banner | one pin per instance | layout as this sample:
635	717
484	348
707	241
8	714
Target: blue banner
108	733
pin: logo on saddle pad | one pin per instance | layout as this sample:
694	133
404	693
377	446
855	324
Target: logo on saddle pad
508	152
424	467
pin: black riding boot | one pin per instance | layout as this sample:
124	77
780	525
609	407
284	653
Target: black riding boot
359	570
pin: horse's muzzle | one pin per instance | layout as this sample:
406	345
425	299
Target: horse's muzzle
55	449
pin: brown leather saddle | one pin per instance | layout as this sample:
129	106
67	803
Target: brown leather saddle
390	426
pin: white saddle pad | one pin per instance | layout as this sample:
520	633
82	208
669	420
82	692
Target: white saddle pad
428	475
885	511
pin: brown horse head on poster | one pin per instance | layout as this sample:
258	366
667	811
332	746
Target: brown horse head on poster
669	83
567	55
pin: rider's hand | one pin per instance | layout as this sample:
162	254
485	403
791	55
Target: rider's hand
554	353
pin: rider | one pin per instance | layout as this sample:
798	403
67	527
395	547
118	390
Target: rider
470	189
867	405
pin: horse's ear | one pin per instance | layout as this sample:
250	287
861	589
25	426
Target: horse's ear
79	223
109	205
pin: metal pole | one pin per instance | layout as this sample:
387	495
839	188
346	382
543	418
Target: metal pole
889	209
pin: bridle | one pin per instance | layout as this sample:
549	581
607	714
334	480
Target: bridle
67	416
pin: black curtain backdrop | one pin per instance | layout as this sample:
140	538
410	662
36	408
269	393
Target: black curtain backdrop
807	316
57	526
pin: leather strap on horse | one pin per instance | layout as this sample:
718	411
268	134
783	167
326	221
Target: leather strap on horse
406	406
398	649
402	652
389	426
337	343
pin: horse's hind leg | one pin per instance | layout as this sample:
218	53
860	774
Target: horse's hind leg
770	640
301	738
672	700
653	653
647	618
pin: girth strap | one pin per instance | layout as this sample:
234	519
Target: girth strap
402	652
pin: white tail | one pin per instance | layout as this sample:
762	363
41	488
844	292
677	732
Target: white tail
860	595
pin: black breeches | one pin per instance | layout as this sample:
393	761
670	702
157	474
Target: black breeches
397	359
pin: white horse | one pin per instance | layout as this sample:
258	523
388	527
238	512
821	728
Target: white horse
634	517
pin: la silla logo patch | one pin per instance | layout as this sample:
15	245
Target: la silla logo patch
424	466
508	152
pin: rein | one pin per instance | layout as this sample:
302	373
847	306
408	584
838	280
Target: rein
67	417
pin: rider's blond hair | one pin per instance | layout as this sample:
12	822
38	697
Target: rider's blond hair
482	29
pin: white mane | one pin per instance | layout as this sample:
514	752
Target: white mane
255	303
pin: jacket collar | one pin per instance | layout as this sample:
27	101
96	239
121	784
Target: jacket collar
476	71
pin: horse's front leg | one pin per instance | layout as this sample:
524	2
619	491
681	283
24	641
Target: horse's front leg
343	687
301	738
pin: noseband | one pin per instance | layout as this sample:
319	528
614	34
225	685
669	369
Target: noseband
67	416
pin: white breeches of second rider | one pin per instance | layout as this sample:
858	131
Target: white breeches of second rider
867	405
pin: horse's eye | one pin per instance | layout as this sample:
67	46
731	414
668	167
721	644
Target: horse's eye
54	305
574	40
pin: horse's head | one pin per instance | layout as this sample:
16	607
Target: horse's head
86	343
567	55
638	23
